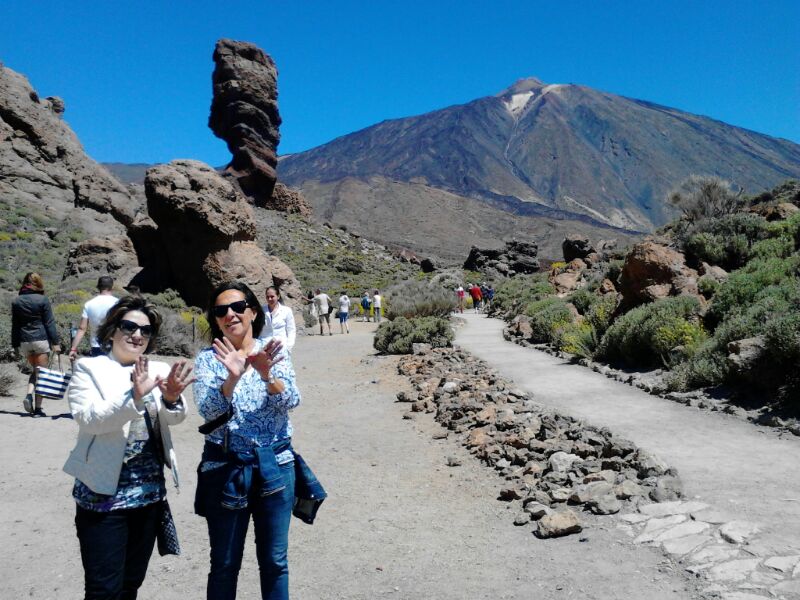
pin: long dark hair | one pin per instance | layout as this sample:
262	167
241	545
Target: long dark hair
117	312
251	299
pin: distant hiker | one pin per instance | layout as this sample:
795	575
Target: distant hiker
366	303
33	333
323	305
488	297
376	306
94	313
123	405
344	312
278	321
475	292
460	298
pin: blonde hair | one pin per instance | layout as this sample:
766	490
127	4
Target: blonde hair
34	281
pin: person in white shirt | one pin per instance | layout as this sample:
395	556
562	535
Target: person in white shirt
322	302
279	321
376	306
344	312
94	313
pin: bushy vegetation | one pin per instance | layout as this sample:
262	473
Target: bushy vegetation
419	298
547	317
514	294
397	336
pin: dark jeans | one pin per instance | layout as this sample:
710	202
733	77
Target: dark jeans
115	549
227	530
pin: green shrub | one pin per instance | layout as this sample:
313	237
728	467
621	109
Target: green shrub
421	298
582	300
777	247
726	241
577	338
701	196
601	312
757	279
707	286
642	336
708	367
397	336
546	316
614	270
513	294
170	299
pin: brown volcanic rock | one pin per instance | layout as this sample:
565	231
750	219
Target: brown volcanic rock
288	200
244	113
652	271
111	255
205	234
43	163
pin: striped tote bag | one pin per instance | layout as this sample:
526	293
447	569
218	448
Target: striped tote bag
52	383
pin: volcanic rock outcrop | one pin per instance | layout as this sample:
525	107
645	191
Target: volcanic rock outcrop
244	113
41	159
205	233
515	257
288	200
652	271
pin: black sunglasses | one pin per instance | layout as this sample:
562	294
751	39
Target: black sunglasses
129	328
220	310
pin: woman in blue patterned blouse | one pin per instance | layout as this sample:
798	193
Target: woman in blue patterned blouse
244	392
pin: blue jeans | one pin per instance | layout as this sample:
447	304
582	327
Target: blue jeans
227	529
115	550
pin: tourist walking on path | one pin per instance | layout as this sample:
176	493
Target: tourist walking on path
475	292
344	312
94	313
322	304
366	303
33	333
376	306
460	298
123	405
278	321
244	392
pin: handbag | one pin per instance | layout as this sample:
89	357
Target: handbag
166	532
51	383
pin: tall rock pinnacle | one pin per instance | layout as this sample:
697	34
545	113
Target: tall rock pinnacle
244	113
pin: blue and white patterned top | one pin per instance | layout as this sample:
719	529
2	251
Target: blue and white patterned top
259	418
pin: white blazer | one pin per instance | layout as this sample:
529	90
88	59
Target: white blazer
101	402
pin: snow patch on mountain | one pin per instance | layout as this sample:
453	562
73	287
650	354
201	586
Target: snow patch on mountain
517	102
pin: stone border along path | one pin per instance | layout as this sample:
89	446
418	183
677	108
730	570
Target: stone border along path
740	532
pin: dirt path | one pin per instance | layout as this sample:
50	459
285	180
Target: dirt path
747	471
398	523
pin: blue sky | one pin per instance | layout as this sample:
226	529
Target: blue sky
136	76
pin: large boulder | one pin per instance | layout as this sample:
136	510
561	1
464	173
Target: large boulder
576	246
288	200
652	271
110	255
244	113
515	257
205	233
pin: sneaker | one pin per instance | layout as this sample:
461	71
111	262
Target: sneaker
27	404
39	413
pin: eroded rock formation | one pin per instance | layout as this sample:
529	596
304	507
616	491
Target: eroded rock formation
205	233
288	200
515	257
244	113
652	271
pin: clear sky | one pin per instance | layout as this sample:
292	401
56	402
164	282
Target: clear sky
136	76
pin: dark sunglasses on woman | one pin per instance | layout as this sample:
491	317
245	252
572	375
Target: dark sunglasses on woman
129	328
238	307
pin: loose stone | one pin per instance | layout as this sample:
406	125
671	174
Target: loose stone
558	524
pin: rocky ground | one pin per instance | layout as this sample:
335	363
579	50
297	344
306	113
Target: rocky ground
404	518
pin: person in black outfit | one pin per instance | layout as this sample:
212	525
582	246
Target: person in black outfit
33	333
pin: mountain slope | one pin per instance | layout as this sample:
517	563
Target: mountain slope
562	151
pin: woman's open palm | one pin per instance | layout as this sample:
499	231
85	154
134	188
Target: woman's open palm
229	356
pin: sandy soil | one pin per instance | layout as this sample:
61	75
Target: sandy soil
398	523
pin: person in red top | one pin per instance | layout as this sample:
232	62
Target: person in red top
477	297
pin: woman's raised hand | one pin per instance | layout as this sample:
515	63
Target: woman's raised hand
229	356
143	383
269	355
179	378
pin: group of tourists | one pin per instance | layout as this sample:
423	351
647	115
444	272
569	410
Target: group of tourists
481	295
124	404
322	306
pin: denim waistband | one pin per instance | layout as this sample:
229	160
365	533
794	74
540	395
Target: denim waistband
257	466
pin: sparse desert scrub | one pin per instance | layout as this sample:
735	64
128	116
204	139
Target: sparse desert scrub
419	298
7	378
700	197
397	336
547	316
514	294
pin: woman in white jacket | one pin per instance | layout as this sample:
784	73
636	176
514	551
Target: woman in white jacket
279	321
118	468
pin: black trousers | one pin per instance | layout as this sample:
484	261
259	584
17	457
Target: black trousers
115	550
